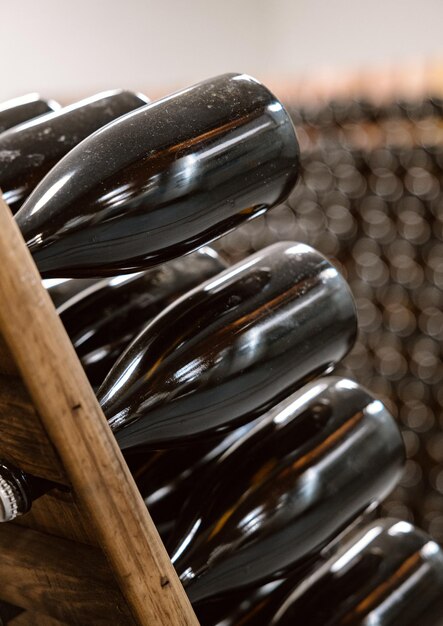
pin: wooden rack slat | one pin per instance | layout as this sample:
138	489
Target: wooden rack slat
58	514
58	578
24	441
76	427
7	363
35	619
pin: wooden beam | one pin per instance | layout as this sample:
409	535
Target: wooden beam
7	364
58	514
23	440
35	619
59	578
85	444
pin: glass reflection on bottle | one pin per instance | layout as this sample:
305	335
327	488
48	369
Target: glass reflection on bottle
286	488
37	145
231	348
163	180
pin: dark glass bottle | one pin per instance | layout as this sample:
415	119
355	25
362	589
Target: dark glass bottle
251	607
273	500
165	478
163	181
103	319
63	289
36	146
18	490
231	348
391	574
257	606
18	110
290	500
354	586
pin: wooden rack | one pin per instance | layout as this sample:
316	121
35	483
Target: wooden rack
89	554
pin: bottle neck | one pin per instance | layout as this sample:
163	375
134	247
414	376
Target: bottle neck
18	490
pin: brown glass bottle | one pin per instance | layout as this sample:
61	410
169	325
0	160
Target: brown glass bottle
63	289
18	110
103	319
391	574
231	348
309	468
163	180
165	478
386	573
257	605
36	146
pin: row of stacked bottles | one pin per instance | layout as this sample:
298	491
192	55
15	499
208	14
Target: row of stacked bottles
370	197
262	472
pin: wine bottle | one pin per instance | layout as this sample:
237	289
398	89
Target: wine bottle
250	607
103	319
63	289
165	478
360	574
310	467
231	348
390	575
18	110
163	180
34	147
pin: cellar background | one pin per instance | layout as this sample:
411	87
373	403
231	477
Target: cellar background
371	200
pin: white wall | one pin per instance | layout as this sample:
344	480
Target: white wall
353	33
70	49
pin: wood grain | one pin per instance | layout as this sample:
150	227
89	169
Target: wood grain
23	440
78	429
58	578
58	514
7	363
35	619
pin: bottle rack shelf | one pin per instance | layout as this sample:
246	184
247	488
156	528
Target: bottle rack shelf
88	553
